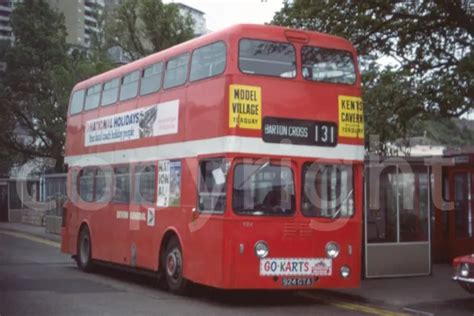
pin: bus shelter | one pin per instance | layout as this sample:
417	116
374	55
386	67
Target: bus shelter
397	217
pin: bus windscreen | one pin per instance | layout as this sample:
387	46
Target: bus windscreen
263	189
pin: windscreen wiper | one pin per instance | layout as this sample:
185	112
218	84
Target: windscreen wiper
254	172
343	202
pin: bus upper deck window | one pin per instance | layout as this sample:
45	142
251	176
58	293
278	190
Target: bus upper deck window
327	65
151	79
208	61
129	87
77	102
93	97
176	71
267	58
110	93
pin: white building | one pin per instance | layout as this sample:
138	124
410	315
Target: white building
197	16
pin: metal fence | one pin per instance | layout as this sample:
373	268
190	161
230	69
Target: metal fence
21	190
53	188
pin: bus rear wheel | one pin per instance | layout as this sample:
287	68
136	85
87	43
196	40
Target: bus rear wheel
172	263
84	250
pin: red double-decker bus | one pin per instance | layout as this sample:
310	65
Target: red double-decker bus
233	160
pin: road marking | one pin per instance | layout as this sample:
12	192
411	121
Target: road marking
32	238
417	312
351	306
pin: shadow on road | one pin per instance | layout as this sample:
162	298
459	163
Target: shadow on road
233	298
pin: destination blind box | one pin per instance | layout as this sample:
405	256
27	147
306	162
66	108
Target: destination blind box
299	132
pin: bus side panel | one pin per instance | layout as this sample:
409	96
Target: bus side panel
206	105
110	240
205	253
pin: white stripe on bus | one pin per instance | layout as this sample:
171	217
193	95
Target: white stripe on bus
230	144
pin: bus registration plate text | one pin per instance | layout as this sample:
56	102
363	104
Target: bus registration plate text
296	266
297	281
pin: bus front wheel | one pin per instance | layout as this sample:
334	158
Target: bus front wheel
172	263
84	246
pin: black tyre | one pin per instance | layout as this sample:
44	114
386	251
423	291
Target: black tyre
172	268
84	251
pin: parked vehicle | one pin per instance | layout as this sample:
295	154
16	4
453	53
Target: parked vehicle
464	272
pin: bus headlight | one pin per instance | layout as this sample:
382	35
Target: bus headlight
345	272
261	249
332	249
464	271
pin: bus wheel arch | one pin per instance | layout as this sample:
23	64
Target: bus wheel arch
84	248
171	267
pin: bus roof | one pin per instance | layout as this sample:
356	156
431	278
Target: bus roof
269	32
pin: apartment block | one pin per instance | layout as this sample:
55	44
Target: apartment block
82	19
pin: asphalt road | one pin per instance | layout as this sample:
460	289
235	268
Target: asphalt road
36	279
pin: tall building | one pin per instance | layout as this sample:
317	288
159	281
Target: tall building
82	19
6	32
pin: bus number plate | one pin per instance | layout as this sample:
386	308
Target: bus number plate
299	132
297	281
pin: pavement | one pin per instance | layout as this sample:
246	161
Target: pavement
427	295
36	231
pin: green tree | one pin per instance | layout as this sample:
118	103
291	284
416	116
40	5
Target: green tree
391	108
141	27
35	89
431	41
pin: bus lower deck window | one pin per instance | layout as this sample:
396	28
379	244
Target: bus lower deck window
144	184
212	185
86	185
121	185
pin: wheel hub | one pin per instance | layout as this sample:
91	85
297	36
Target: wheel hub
173	264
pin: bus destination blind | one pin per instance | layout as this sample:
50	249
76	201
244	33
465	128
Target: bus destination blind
299	132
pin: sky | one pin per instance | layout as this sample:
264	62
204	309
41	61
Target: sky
223	13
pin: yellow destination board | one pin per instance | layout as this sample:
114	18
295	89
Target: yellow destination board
351	117
245	106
